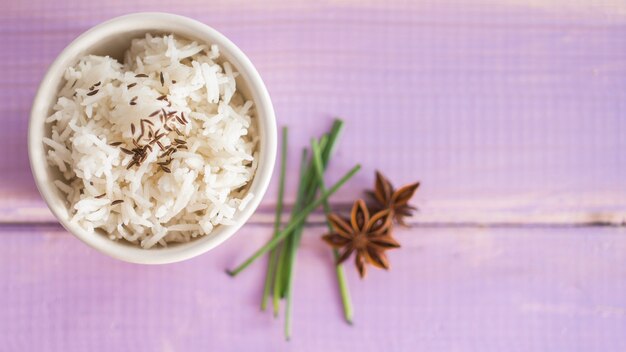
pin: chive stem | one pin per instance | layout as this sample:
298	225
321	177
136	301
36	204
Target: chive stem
344	291
289	284
308	186
335	132
277	279
341	275
280	276
300	217
271	265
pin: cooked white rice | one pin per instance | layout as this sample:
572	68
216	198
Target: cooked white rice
204	182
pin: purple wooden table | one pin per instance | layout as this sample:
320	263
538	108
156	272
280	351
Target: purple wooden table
511	113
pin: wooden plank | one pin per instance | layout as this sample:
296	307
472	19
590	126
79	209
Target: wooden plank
507	114
531	289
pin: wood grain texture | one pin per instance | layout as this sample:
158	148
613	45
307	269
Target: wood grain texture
510	113
449	289
506	113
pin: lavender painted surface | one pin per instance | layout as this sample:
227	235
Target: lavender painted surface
506	113
509	112
449	290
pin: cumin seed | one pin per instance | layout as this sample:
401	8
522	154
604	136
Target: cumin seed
141	75
131	85
154	113
118	201
100	196
161	77
115	144
132	129
127	151
93	92
166	169
179	141
161	97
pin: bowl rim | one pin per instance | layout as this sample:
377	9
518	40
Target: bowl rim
153	22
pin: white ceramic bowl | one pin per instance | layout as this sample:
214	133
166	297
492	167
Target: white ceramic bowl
113	38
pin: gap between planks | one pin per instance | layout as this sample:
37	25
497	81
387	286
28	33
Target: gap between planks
319	223
433	214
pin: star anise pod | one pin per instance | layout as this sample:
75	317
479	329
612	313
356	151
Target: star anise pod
368	236
397	201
